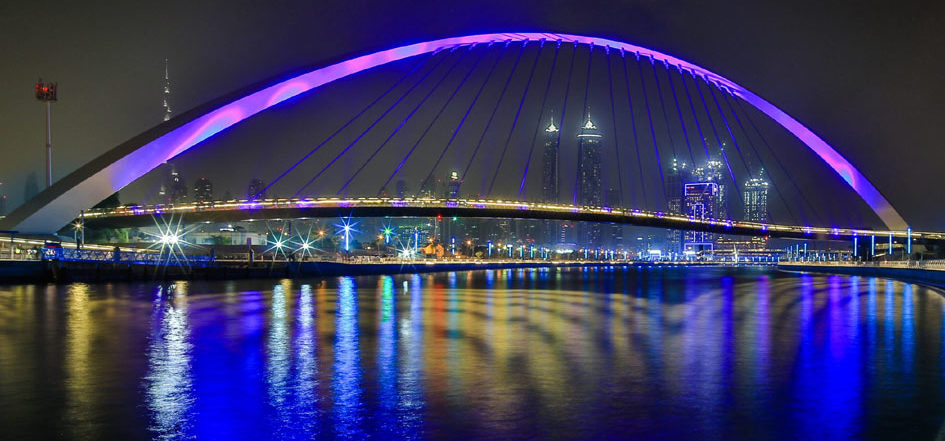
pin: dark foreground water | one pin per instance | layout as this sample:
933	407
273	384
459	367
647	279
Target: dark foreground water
684	353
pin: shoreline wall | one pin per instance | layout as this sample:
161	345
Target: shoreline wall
934	278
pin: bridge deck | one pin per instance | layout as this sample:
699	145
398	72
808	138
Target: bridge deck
274	209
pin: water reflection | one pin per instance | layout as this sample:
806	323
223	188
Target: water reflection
707	353
306	401
80	377
346	380
169	379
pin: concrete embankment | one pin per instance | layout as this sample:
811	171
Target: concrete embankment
71	271
933	277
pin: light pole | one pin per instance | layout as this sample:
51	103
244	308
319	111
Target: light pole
46	92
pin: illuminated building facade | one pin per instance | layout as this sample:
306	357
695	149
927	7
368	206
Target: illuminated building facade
701	202
676	177
256	189
589	178
549	182
203	191
756	198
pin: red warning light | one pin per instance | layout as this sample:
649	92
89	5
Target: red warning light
45	91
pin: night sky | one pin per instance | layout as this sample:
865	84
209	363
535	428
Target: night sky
868	78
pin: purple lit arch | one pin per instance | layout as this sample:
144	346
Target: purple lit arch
59	204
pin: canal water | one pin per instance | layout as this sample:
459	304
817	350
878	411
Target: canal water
576	353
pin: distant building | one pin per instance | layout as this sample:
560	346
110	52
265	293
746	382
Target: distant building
677	176
549	171
589	178
256	189
175	189
742	248
701	202
549	182
429	188
167	93
756	198
714	171
401	189
31	187
454	184
203	190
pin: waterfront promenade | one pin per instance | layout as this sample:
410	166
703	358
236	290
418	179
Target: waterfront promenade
929	272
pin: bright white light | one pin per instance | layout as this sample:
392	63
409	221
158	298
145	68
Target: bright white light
170	239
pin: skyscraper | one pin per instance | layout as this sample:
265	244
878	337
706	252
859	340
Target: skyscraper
589	177
167	170
203	190
714	171
701	201
549	171
549	182
756	198
167	93
401	188
454	184
174	189
677	176
256	189
31	187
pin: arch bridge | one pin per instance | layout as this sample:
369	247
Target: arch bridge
58	205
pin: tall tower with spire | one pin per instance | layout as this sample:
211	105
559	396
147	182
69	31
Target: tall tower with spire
589	177
549	181
167	93
549	172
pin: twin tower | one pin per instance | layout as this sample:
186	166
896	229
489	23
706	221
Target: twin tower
588	190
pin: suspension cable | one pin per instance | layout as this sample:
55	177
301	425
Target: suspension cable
518	113
751	145
764	142
636	138
613	115
587	88
407	118
376	121
541	112
494	110
682	121
435	118
463	120
355	117
659	93
649	117
718	139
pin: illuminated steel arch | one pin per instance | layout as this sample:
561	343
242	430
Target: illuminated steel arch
59	204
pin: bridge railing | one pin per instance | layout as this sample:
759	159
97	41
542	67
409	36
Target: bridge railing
937	264
119	256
